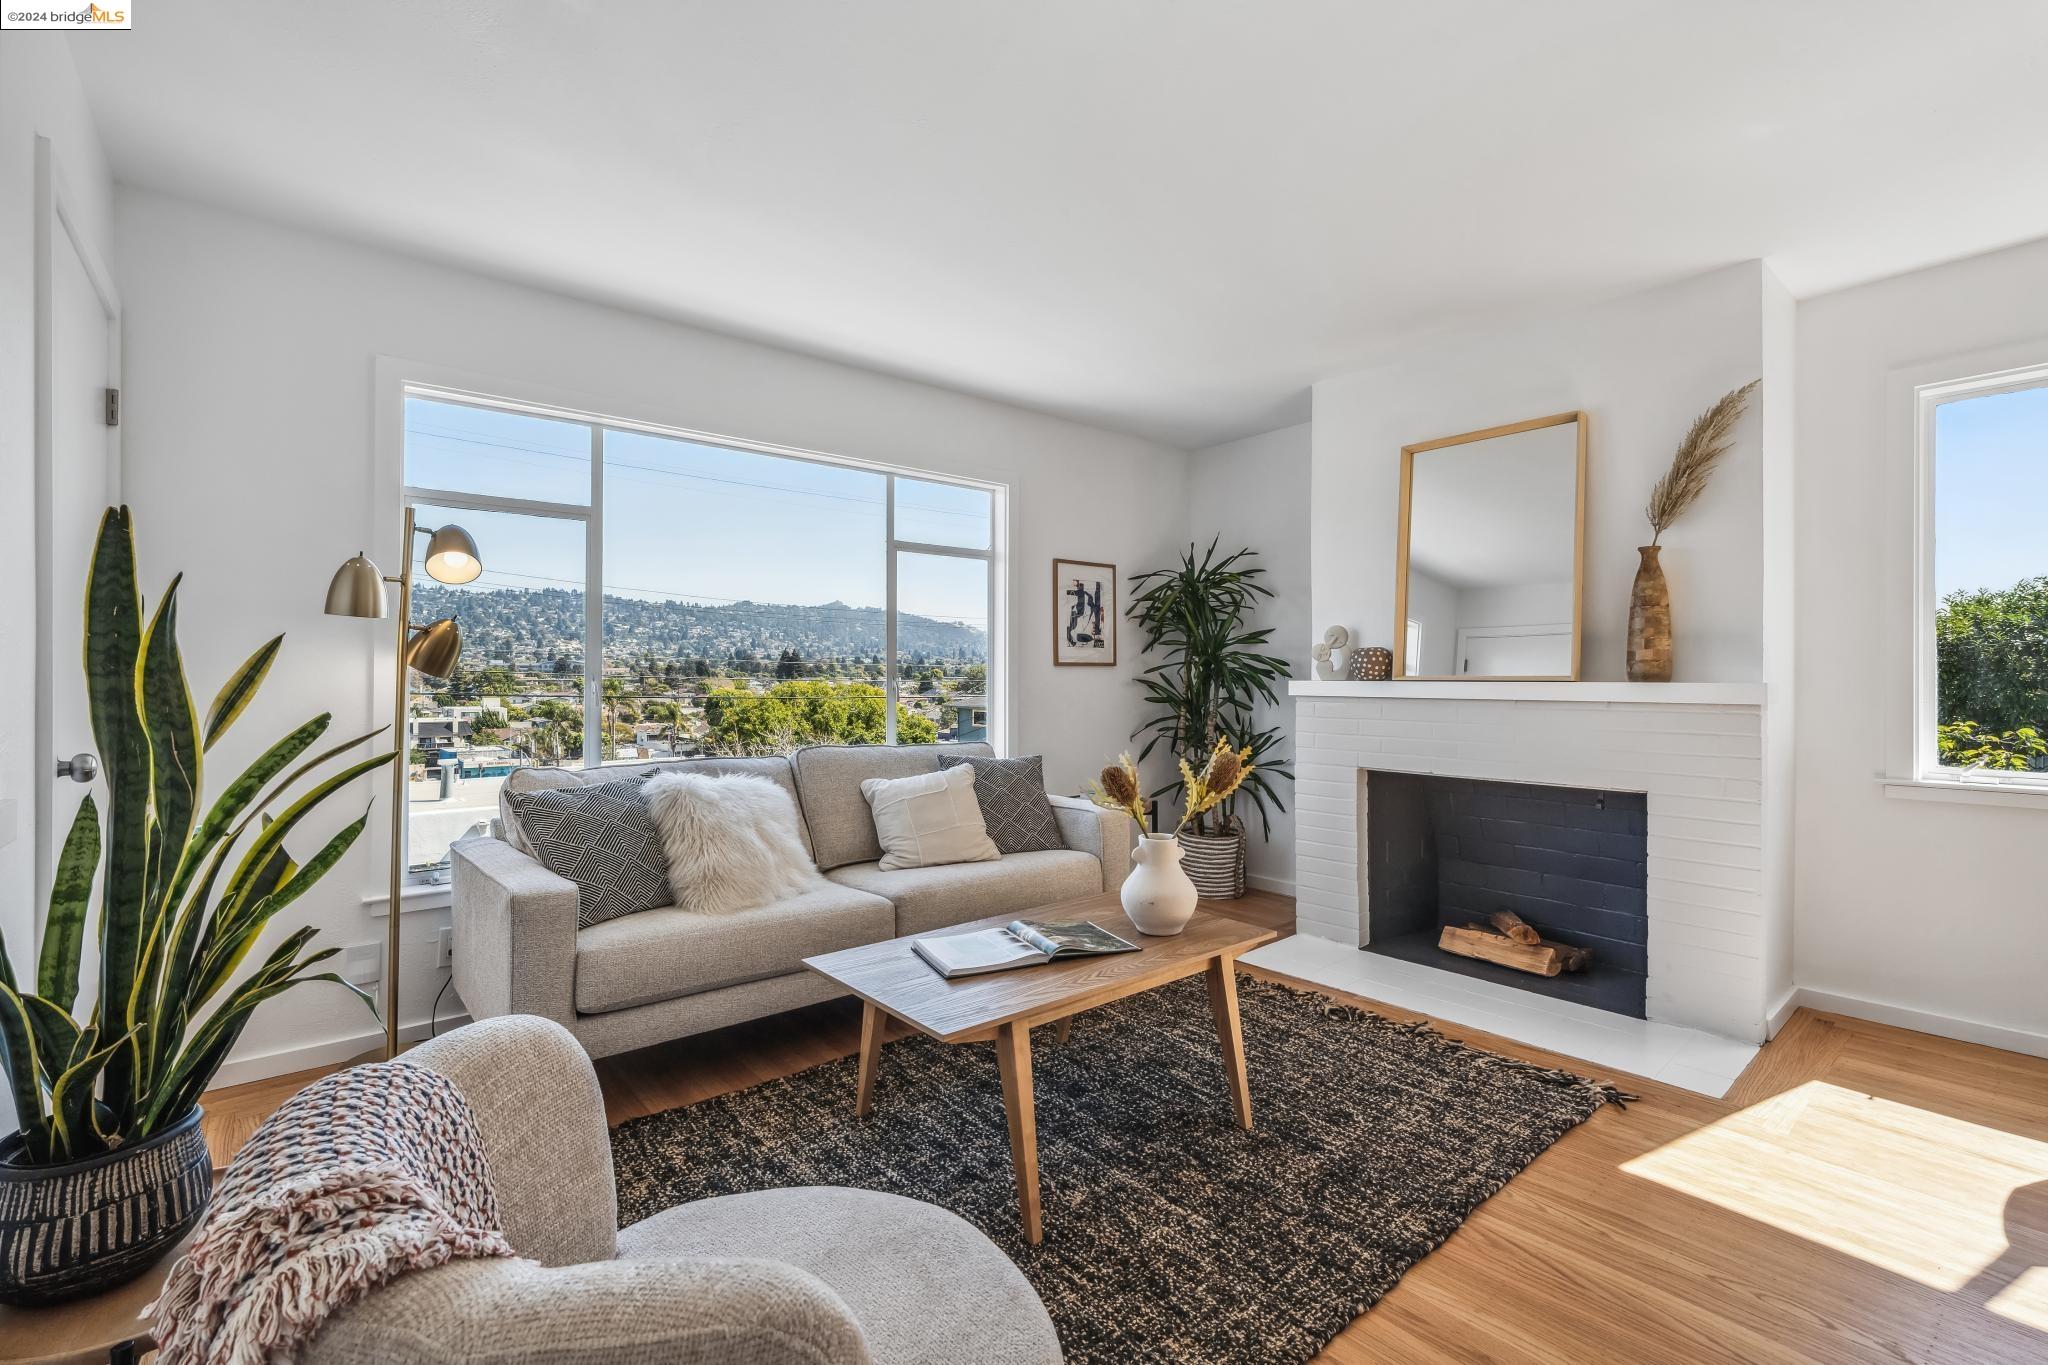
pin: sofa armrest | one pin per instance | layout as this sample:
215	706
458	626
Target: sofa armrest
515	933
687	1311
1089	828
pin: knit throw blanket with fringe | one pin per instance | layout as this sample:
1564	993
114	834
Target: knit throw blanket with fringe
357	1179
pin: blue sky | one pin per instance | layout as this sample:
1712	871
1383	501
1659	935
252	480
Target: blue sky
1991	491
696	522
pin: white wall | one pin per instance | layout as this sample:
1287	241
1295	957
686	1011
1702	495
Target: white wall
1516	604
1255	492
39	95
1906	908
250	355
1781	617
1643	367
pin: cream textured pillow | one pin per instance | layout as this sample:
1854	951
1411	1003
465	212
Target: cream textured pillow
929	819
732	840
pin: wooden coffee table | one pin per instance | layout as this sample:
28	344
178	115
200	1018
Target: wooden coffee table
894	983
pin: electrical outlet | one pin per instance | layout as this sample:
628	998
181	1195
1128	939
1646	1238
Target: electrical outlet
363	964
444	947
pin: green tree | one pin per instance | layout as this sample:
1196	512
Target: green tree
1991	657
556	731
806	711
1965	744
488	727
745	723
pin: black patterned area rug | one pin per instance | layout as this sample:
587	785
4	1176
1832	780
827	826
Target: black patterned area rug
1171	1234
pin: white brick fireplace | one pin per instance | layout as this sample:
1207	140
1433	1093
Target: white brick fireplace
1718	920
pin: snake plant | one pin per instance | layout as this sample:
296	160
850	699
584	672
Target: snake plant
1212	673
184	893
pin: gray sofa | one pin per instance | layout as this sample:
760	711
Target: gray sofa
667	973
807	1276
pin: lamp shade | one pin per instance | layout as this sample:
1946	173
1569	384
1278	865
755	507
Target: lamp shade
357	589
434	648
452	556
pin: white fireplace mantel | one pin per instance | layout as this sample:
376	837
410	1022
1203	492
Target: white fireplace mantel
1479	689
1718	905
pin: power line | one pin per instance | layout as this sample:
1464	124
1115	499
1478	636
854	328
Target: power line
611	464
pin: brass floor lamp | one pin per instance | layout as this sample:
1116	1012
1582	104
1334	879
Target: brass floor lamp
358	590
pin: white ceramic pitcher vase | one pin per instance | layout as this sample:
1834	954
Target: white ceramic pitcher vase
1157	895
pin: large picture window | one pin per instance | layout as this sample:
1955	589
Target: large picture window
651	594
1983	713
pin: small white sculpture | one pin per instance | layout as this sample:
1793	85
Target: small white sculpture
1329	655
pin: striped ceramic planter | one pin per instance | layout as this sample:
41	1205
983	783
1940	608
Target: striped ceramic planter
72	1230
1214	863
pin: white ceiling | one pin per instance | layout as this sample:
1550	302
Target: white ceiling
1165	216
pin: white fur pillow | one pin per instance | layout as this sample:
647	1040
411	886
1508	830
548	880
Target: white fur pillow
732	840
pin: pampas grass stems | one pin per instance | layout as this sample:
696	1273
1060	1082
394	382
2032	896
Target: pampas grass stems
1694	462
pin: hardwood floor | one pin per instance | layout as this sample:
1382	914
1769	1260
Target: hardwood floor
1863	1194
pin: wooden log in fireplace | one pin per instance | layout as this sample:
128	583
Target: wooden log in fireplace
1541	958
1514	926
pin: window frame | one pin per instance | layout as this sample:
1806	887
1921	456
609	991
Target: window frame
398	380
1927	395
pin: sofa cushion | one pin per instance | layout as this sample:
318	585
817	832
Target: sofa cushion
929	818
731	840
928	898
601	838
665	953
1011	794
774	767
828	778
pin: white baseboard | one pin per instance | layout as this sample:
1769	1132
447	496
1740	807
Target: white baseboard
284	1061
1279	886
1920	1021
1781	1014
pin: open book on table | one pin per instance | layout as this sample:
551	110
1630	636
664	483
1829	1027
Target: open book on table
1016	944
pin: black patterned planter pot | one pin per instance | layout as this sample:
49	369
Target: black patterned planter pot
1214	863
76	1229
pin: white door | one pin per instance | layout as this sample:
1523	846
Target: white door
1515	652
77	477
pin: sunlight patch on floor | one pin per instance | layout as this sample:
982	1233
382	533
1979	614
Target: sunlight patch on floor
2025	1300
1917	1193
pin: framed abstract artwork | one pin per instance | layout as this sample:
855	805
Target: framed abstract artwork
1083	612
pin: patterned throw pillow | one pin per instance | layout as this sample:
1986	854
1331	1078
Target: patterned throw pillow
600	837
1013	805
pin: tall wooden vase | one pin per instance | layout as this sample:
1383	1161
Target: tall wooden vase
1649	621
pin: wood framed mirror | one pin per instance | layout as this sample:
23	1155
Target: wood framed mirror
1490	566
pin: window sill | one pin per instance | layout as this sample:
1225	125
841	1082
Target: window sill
423	896
1966	793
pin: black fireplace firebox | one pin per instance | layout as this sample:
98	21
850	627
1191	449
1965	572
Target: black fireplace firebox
1571	862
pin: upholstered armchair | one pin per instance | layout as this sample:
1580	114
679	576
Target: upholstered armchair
811	1276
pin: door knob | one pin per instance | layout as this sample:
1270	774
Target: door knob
79	767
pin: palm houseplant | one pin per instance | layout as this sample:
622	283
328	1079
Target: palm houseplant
1212	671
108	1168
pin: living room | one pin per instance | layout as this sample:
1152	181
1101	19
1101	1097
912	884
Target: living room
570	565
